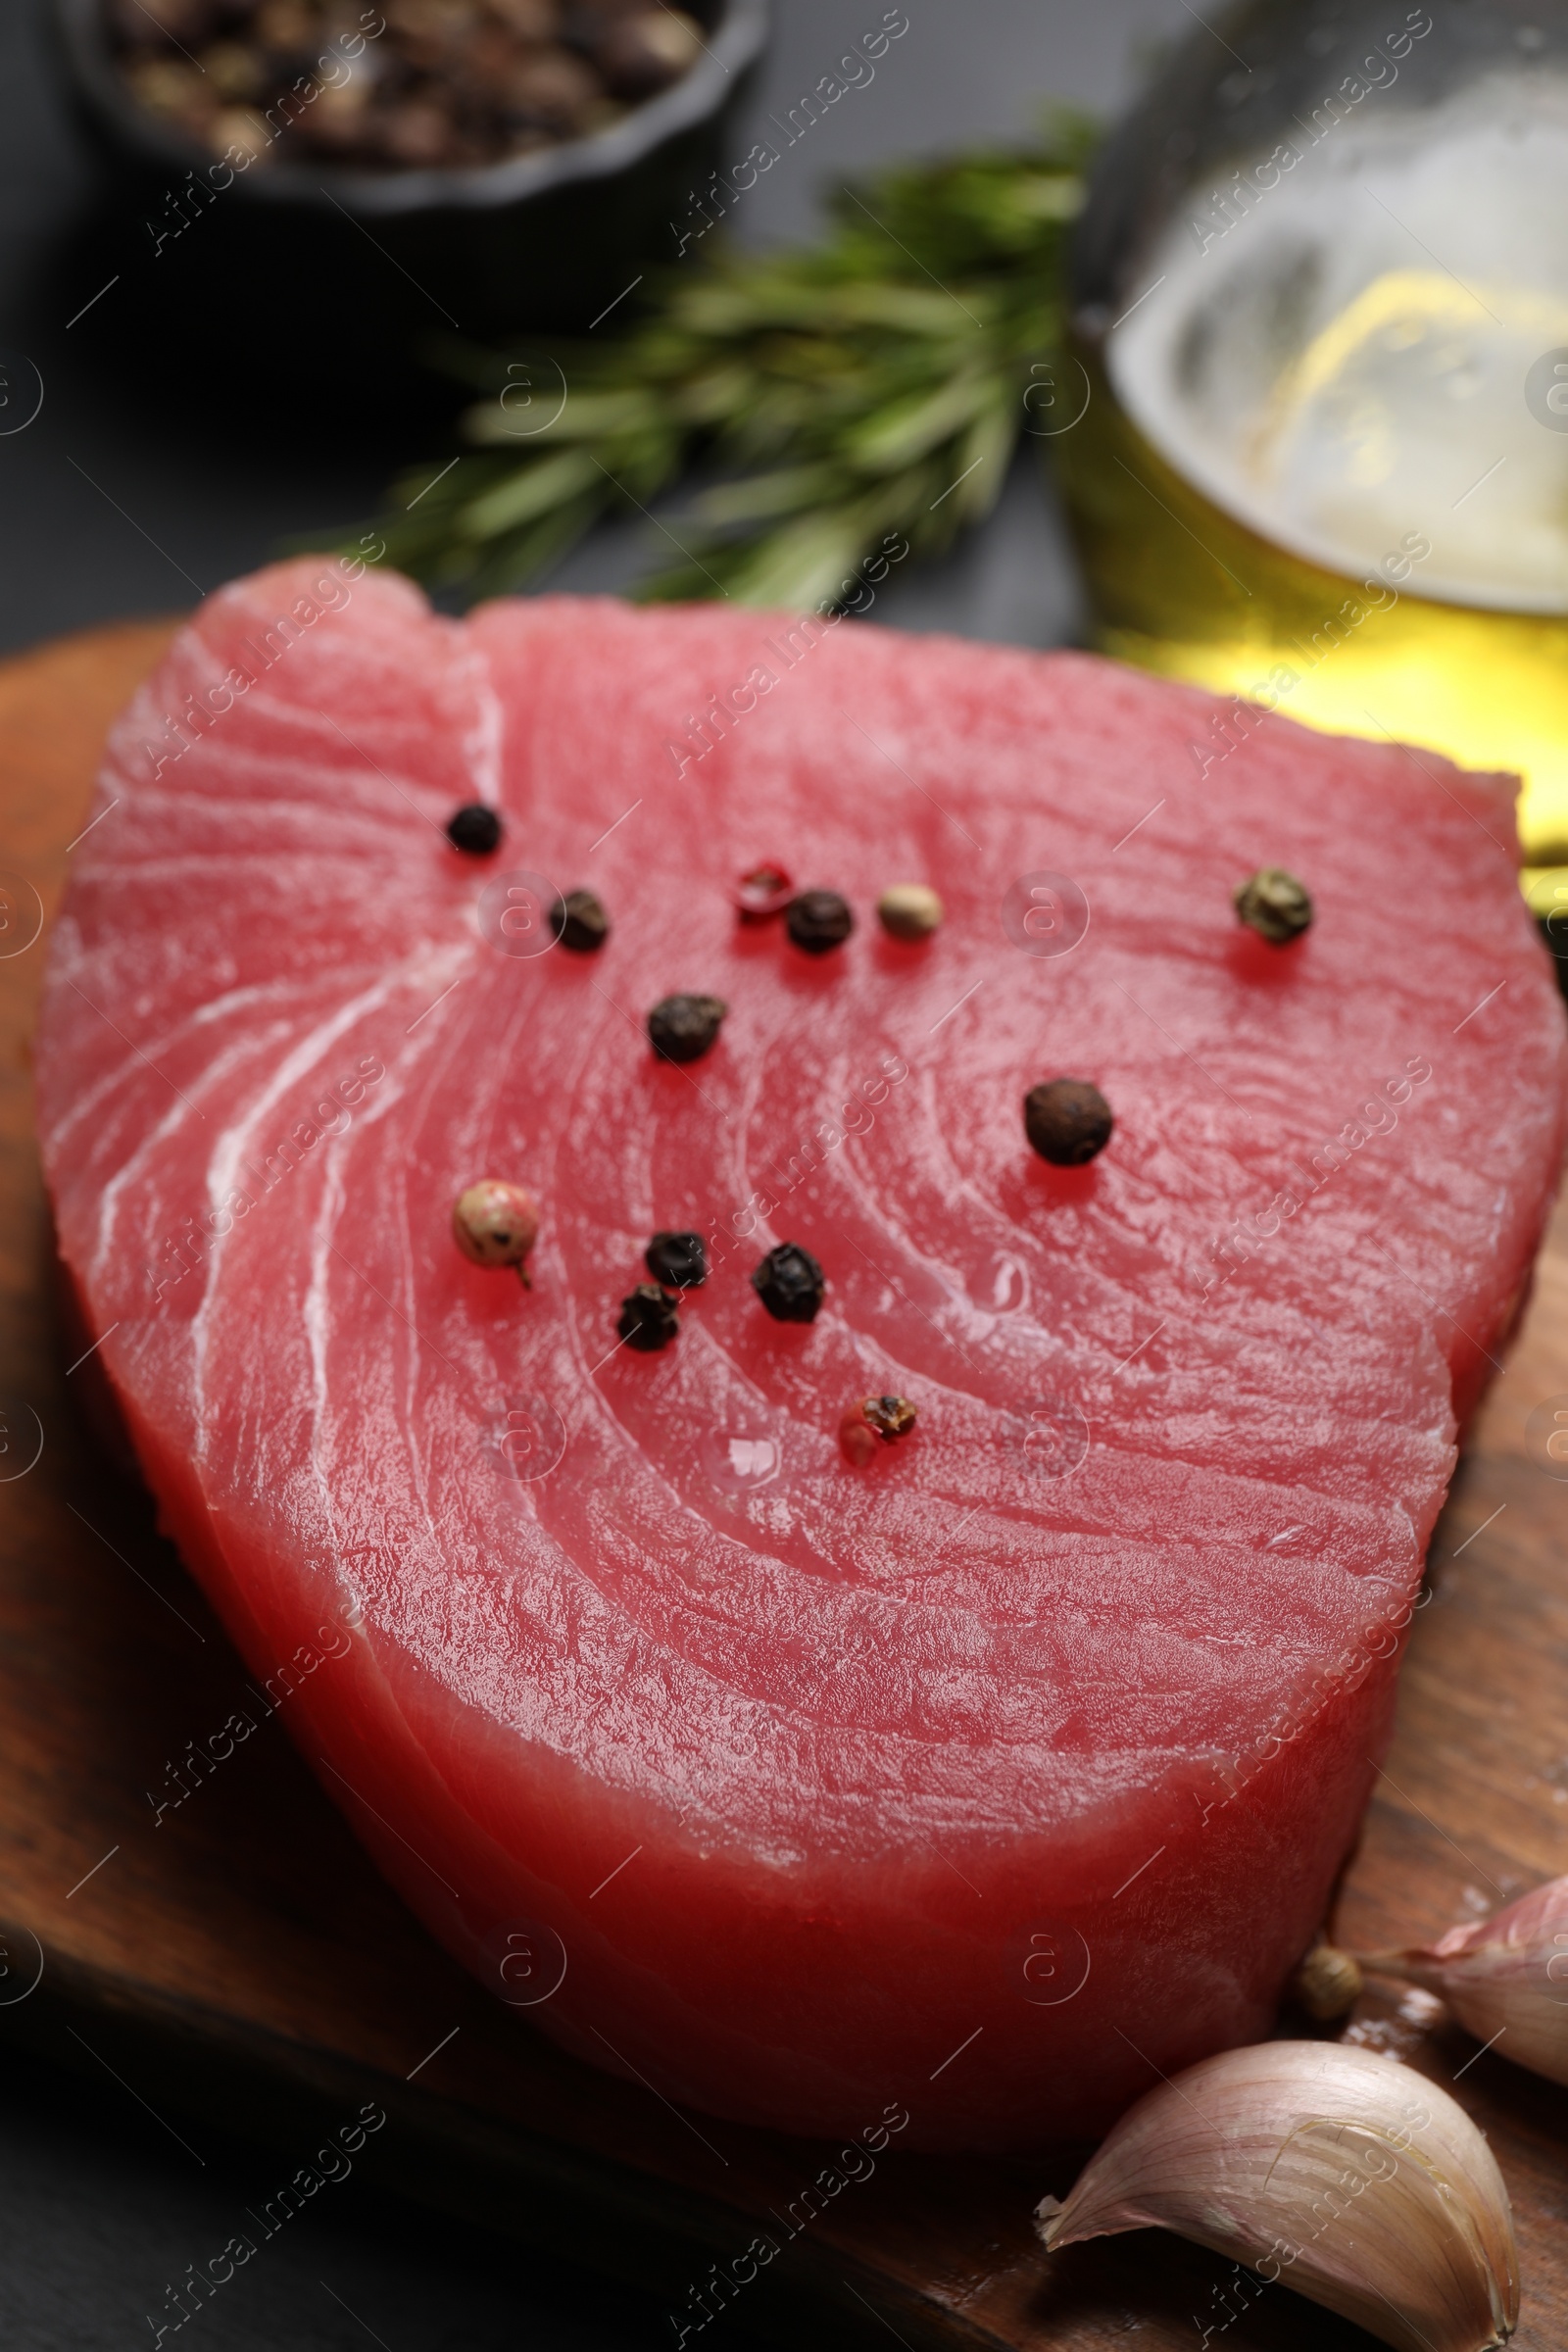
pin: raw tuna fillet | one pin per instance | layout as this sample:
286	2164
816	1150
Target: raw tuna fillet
987	1777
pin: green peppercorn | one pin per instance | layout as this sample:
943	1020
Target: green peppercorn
1274	905
579	922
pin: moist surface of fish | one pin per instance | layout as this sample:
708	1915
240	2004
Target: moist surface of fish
979	1780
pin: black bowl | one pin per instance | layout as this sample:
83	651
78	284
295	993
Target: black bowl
372	261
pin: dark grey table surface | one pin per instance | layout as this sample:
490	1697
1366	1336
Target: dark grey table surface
120	498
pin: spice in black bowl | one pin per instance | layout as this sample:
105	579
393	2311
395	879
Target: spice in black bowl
369	170
405	84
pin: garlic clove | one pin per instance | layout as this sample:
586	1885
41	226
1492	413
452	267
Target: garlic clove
1334	2170
1506	1976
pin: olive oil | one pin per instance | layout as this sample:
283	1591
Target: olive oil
1324	461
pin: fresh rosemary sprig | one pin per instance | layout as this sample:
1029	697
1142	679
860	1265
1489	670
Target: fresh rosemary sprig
875	382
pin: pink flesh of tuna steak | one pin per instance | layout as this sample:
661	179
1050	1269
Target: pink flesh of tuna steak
795	1787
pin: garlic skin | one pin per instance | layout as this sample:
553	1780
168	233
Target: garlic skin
1334	2170
1506	1976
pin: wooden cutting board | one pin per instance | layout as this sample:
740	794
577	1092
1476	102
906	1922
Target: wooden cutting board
240	1959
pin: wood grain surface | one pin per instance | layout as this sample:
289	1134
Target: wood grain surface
241	1960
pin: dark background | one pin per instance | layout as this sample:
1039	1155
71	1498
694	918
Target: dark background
145	477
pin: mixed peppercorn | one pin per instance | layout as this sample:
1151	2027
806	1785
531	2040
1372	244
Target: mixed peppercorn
1067	1120
398	85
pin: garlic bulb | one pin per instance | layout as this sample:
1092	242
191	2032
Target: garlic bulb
1334	2170
1505	1979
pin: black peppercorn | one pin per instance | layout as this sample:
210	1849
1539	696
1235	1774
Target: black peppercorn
790	1284
1067	1121
647	1319
681	1028
579	922
677	1260
474	828
819	919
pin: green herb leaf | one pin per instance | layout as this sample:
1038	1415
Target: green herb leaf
871	384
